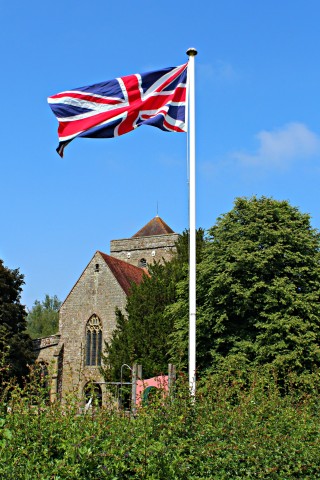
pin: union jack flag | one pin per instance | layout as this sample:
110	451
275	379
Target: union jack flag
115	107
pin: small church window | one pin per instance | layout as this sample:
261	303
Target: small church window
93	341
143	263
93	395
97	267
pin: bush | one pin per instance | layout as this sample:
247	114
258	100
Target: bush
240	426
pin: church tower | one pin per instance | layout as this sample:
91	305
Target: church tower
152	243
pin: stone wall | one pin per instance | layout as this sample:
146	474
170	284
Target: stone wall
45	347
95	293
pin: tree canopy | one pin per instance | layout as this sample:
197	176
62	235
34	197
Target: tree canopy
15	344
258	290
43	318
258	297
143	333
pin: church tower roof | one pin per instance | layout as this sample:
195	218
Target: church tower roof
156	226
155	242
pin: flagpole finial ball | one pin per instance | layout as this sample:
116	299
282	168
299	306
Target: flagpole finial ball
192	52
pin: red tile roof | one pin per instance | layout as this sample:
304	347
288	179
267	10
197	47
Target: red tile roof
156	226
124	272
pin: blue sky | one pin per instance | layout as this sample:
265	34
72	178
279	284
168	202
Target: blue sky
258	123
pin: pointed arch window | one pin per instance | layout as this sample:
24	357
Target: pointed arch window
93	341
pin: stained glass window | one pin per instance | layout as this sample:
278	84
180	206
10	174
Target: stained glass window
93	341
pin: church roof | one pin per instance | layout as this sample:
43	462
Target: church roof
156	226
124	272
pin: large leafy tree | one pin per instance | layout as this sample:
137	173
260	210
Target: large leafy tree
43	318
258	290
15	344
143	333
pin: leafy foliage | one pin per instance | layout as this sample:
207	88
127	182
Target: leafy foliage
233	431
258	290
43	319
15	344
142	335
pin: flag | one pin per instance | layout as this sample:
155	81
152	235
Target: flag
115	107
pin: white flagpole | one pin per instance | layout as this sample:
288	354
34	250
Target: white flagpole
192	52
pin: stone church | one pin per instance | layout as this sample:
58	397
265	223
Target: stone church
72	358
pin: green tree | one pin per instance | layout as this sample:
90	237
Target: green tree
43	318
15	344
143	334
258	290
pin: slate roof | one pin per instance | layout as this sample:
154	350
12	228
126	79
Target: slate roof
124	272
156	226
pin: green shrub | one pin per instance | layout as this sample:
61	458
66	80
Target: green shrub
242	425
